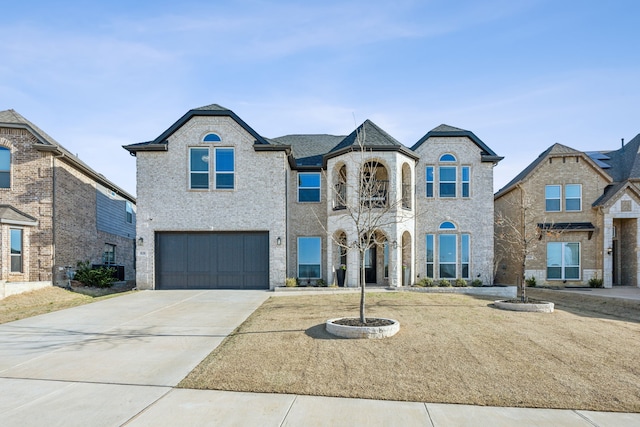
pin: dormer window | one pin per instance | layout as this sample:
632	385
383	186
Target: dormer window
212	137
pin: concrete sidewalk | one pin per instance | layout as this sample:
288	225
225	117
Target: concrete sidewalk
116	362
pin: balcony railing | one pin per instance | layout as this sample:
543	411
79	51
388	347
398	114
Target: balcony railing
373	193
340	196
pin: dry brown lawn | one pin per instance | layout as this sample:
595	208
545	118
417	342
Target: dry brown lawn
46	300
450	349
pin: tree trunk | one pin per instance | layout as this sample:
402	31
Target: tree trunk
362	285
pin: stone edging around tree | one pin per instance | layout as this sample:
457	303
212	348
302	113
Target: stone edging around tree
362	331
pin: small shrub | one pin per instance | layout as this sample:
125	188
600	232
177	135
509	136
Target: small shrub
476	283
321	282
291	282
460	283
444	283
425	282
100	277
531	282
595	282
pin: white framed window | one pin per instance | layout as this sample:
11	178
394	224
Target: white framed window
309	257
128	209
198	168
573	197
16	250
224	168
465	257
5	167
429	175
109	254
466	181
430	255
552	198
308	187
211	137
447	180
447	255
563	261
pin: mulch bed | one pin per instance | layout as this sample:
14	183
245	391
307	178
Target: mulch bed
369	322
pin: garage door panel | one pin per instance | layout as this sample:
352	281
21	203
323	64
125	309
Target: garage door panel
212	260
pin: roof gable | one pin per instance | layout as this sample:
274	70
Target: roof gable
556	150
446	131
11	215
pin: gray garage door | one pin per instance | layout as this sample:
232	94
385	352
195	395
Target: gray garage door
212	260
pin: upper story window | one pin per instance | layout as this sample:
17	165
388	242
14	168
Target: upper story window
5	168
447	225
308	187
447	177
573	197
465	180
429	175
128	208
211	137
224	168
199	168
447	158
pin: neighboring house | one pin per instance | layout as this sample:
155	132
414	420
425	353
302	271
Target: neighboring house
221	206
584	207
55	210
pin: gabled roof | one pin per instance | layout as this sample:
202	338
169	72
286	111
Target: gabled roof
12	119
556	150
11	215
160	143
625	162
375	139
447	131
612	190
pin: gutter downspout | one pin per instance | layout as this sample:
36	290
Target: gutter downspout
53	216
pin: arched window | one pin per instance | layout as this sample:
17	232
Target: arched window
211	137
5	167
447	225
447	158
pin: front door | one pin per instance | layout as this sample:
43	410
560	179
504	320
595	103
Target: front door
370	265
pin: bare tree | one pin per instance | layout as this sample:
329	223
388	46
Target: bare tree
365	200
518	235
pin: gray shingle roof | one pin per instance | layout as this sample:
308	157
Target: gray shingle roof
11	118
373	135
308	150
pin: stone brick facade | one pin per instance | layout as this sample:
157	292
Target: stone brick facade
265	198
602	250
58	192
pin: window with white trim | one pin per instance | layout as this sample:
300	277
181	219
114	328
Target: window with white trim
16	250
128	209
563	261
430	255
5	167
466	178
224	168
308	187
198	168
309	257
552	198
211	137
573	197
109	254
429	175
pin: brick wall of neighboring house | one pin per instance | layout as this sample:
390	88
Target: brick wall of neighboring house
31	193
557	170
473	215
77	234
165	203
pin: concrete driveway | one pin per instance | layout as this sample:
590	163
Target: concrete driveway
107	361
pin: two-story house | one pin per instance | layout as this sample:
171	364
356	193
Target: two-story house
578	212
55	211
221	206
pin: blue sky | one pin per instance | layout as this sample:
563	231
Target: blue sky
521	75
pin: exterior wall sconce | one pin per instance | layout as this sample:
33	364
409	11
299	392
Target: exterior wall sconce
609	250
140	241
394	244
278	241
